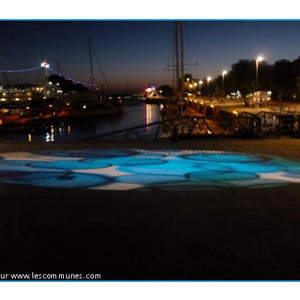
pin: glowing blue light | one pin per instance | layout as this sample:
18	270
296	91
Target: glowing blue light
222	176
68	165
57	179
19	71
131	169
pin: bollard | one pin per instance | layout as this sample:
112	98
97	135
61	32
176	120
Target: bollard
175	134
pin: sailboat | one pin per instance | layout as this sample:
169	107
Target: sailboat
91	104
155	97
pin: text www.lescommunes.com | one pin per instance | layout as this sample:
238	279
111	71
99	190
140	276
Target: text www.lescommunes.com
39	276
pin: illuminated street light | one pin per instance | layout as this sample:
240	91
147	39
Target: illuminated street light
200	82
45	65
208	80
259	58
223	89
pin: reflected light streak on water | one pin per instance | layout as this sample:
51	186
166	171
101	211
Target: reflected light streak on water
148	117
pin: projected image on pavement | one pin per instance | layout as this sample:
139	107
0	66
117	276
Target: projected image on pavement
130	169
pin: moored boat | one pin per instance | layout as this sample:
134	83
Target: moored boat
7	117
84	112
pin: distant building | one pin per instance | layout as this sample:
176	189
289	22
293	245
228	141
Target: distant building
27	92
19	93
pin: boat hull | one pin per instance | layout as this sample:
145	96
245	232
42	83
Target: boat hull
7	118
89	113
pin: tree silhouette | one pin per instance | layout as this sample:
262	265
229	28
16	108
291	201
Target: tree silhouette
283	78
65	84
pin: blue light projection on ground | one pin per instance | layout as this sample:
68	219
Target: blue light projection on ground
126	169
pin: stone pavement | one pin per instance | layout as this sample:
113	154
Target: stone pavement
220	232
283	147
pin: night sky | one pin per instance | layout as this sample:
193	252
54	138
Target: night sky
133	54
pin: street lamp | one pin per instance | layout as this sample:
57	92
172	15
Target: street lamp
208	80
223	74
187	83
45	67
195	88
259	58
200	82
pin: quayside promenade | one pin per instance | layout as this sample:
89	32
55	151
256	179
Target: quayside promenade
156	210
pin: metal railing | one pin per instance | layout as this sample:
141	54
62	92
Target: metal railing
189	127
278	124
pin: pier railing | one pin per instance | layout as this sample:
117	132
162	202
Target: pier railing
189	127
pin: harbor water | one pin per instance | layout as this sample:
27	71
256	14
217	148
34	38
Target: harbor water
133	115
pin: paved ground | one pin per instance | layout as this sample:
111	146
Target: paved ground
227	233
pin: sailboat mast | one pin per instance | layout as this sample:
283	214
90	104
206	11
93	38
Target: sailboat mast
91	63
179	57
5	77
176	58
182	57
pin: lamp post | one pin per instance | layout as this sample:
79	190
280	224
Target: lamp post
200	82
208	80
195	87
45	67
223	86
259	58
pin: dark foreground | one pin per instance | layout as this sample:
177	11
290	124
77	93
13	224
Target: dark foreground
220	234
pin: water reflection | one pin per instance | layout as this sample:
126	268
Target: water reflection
148	117
134	115
152	115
